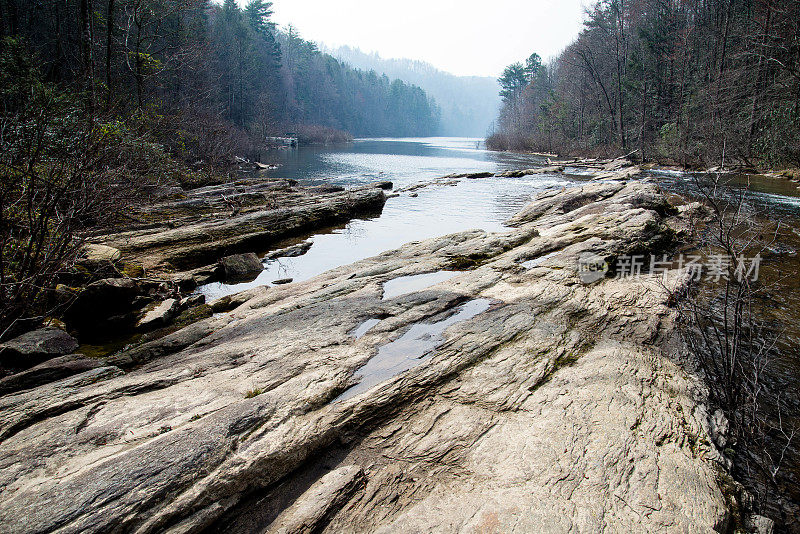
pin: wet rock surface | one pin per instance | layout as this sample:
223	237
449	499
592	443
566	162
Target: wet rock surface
557	406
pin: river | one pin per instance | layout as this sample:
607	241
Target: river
434	211
487	202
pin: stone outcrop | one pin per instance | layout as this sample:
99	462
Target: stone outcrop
552	405
35	347
114	305
94	252
552	169
160	315
216	221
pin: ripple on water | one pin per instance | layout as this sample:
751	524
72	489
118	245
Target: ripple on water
411	349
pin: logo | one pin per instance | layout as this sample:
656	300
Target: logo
591	268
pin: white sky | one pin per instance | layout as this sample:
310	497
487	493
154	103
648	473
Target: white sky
465	37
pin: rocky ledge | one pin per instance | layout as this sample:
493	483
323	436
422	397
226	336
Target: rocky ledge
205	224
466	383
139	276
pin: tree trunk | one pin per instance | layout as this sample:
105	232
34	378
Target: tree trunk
87	50
109	51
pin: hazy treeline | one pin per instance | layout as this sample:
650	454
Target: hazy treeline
469	104
687	81
321	90
201	69
105	104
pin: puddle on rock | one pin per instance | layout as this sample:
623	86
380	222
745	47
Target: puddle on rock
411	349
535	262
365	327
416	282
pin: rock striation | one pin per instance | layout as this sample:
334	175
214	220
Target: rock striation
553	405
217	221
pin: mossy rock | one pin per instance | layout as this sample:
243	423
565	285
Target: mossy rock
133	270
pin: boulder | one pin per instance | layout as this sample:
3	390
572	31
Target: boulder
105	305
109	294
207	274
49	371
192	301
34	347
759	524
719	428
241	266
160	315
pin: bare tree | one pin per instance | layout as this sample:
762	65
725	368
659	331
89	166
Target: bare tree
726	327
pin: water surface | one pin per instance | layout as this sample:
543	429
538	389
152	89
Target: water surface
411	349
436	210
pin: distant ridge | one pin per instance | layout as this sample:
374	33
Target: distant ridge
469	104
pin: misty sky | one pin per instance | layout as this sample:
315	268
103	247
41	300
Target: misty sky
465	37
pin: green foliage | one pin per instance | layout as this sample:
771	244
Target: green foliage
329	93
62	172
513	81
258	13
207	81
668	138
532	66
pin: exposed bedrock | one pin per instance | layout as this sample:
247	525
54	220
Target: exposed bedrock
202	231
508	398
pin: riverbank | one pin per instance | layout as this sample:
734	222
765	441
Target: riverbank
790	174
503	392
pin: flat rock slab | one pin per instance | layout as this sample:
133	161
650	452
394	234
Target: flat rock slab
96	252
262	215
160	315
558	406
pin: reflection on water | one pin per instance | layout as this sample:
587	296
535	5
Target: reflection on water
403	161
365	327
437	210
416	282
410	349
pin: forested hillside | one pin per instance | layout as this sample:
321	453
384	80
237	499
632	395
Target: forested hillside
201	78
469	104
691	82
106	105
